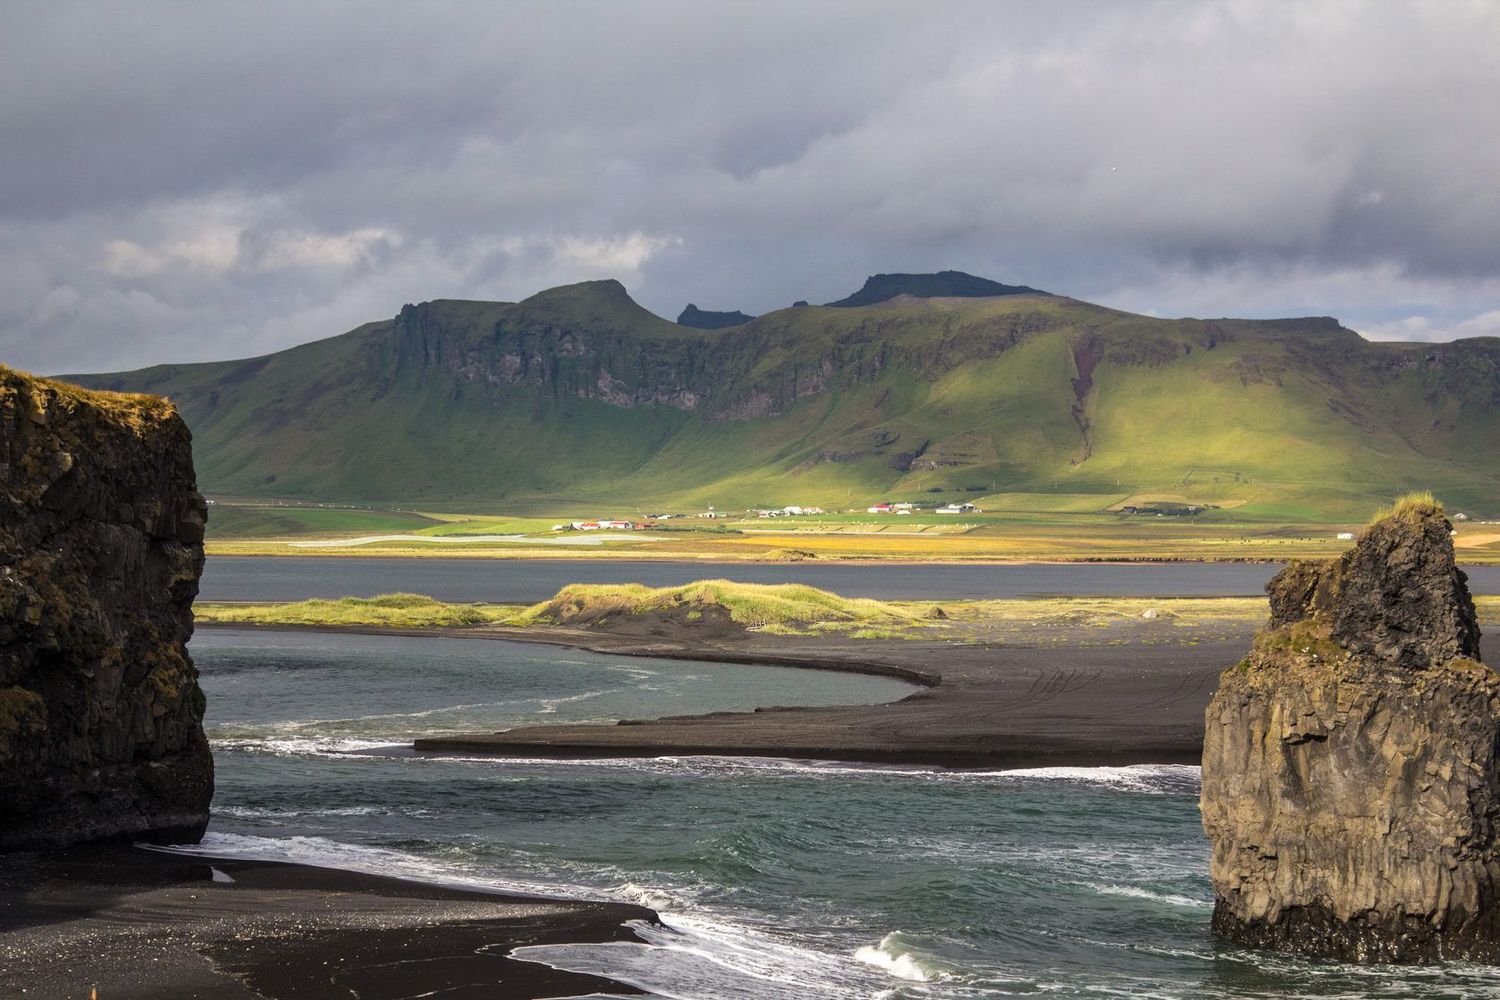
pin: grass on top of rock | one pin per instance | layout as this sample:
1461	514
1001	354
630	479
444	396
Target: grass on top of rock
389	610
1411	507
131	408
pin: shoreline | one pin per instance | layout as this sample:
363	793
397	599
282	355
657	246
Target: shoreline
981	705
607	643
140	924
1077	695
1027	695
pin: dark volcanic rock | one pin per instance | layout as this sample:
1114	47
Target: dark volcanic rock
101	545
708	319
1401	600
1397	597
956	284
1351	764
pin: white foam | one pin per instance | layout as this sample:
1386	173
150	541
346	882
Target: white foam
697	956
1146	778
690	955
894	957
250	812
307	746
320	852
1155	778
1160	897
549	706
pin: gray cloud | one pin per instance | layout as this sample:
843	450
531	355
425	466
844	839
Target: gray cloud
194	181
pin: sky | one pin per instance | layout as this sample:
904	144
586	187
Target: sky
196	181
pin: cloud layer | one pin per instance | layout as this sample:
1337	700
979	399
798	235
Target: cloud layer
194	181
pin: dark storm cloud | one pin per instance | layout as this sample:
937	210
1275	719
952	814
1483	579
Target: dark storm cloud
189	181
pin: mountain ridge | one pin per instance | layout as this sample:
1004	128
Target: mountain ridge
578	392
710	319
941	284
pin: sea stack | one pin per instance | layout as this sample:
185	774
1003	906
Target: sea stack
1351	787
101	546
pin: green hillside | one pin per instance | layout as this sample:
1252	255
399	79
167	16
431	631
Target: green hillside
579	395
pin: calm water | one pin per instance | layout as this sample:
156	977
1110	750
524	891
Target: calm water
777	879
507	581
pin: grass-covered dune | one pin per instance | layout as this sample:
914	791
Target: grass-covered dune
695	606
383	610
768	608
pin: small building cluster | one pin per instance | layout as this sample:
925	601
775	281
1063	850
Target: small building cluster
908	508
793	511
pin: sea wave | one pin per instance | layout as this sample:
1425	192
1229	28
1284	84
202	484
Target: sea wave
1137	892
1157	779
688	955
307	746
250	812
697	956
549	706
895	956
321	852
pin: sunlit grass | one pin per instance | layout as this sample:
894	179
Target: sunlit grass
753	605
389	610
1411	507
785	608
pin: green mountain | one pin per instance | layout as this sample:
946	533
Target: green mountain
578	394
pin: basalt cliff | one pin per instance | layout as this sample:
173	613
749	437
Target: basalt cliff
101	546
1351	784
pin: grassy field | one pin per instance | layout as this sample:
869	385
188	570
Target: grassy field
1029	527
283	521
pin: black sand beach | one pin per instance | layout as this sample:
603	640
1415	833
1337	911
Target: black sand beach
137	924
1077	695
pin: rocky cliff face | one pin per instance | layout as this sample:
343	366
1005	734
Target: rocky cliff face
101	546
712	319
1351	780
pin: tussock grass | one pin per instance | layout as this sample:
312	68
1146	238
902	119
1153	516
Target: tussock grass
134	409
392	610
1411	507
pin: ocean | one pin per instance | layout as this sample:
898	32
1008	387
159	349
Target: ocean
774	878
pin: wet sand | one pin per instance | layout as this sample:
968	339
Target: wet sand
1077	696
142	925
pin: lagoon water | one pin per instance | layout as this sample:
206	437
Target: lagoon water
776	879
518	581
